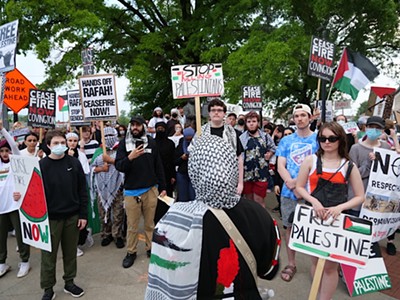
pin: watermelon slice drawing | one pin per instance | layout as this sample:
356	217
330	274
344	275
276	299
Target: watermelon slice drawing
34	205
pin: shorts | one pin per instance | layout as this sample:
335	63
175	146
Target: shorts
288	206
255	187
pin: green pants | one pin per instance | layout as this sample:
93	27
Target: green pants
66	232
5	220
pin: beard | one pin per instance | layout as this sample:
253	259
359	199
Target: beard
138	135
253	131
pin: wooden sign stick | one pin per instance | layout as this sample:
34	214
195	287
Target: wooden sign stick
198	114
317	279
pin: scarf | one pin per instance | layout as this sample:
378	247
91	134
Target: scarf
229	134
189	131
176	249
130	141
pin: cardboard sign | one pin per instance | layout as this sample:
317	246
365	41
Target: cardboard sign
197	81
99	97
33	211
373	278
8	46
342	104
252	98
350	127
382	200
320	63
75	108
347	240
16	91
42	109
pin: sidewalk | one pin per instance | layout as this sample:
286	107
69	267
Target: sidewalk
101	275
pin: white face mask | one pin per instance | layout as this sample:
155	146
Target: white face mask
59	149
341	122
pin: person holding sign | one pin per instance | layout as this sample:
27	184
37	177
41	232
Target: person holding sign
9	208
327	173
66	196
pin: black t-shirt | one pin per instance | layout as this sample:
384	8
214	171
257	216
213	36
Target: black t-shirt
219	132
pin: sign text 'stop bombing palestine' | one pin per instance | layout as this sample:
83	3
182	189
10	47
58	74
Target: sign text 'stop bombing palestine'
322	54
98	97
197	81
8	44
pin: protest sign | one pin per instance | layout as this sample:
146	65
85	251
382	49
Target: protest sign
382	197
16	91
42	109
75	108
33	211
251	97
328	109
342	104
204	80
374	277
320	63
87	61
347	240
8	46
7	203
350	127
98	97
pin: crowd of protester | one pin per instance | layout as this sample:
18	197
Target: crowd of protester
130	172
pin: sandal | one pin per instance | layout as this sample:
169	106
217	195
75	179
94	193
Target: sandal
289	271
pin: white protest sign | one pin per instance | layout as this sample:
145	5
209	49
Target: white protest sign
75	108
347	240
350	127
7	203
8	45
33	210
98	97
382	197
204	80
342	104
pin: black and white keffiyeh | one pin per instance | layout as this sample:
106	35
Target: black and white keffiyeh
130	141
214	173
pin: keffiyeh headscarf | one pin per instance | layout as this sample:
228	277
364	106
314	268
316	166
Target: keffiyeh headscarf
214	173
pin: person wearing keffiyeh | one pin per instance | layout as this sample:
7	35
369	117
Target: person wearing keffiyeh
193	257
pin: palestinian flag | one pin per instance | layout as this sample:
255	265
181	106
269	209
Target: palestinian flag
357	225
354	72
62	104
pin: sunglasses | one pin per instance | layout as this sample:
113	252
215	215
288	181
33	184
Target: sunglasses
331	139
286	134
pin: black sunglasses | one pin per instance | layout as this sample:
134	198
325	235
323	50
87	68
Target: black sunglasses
331	139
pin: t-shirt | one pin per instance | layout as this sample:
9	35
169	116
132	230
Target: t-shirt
220	131
295	149
90	147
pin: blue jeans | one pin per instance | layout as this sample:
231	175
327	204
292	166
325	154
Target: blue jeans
185	188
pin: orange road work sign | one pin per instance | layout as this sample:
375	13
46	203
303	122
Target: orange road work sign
16	90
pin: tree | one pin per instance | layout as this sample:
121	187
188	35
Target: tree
361	110
123	118
258	42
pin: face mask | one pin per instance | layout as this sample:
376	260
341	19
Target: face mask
241	122
373	134
59	149
341	122
122	132
174	115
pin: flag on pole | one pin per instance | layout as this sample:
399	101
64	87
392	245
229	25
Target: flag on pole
62	104
354	72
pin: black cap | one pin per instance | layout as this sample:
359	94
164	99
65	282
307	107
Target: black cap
375	120
138	119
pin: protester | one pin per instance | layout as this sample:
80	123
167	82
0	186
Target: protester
65	189
331	162
138	157
231	119
121	131
362	121
258	149
173	121
350	137
240	124
291	152
31	142
193	256
177	136
87	144
158	116
108	183
72	144
8	209
184	185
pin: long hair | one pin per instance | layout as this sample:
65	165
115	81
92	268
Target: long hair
337	130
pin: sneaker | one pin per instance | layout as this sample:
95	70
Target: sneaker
89	239
119	243
74	290
391	249
148	253
129	260
24	268
49	295
4	268
79	252
107	240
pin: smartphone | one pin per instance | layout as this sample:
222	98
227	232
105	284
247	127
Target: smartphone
138	144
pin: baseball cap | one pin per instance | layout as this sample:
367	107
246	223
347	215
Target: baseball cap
302	107
375	120
138	119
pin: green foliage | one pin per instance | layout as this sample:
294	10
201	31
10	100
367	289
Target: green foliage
361	110
260	42
123	118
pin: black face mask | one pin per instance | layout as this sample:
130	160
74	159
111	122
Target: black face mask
174	115
241	122
161	134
